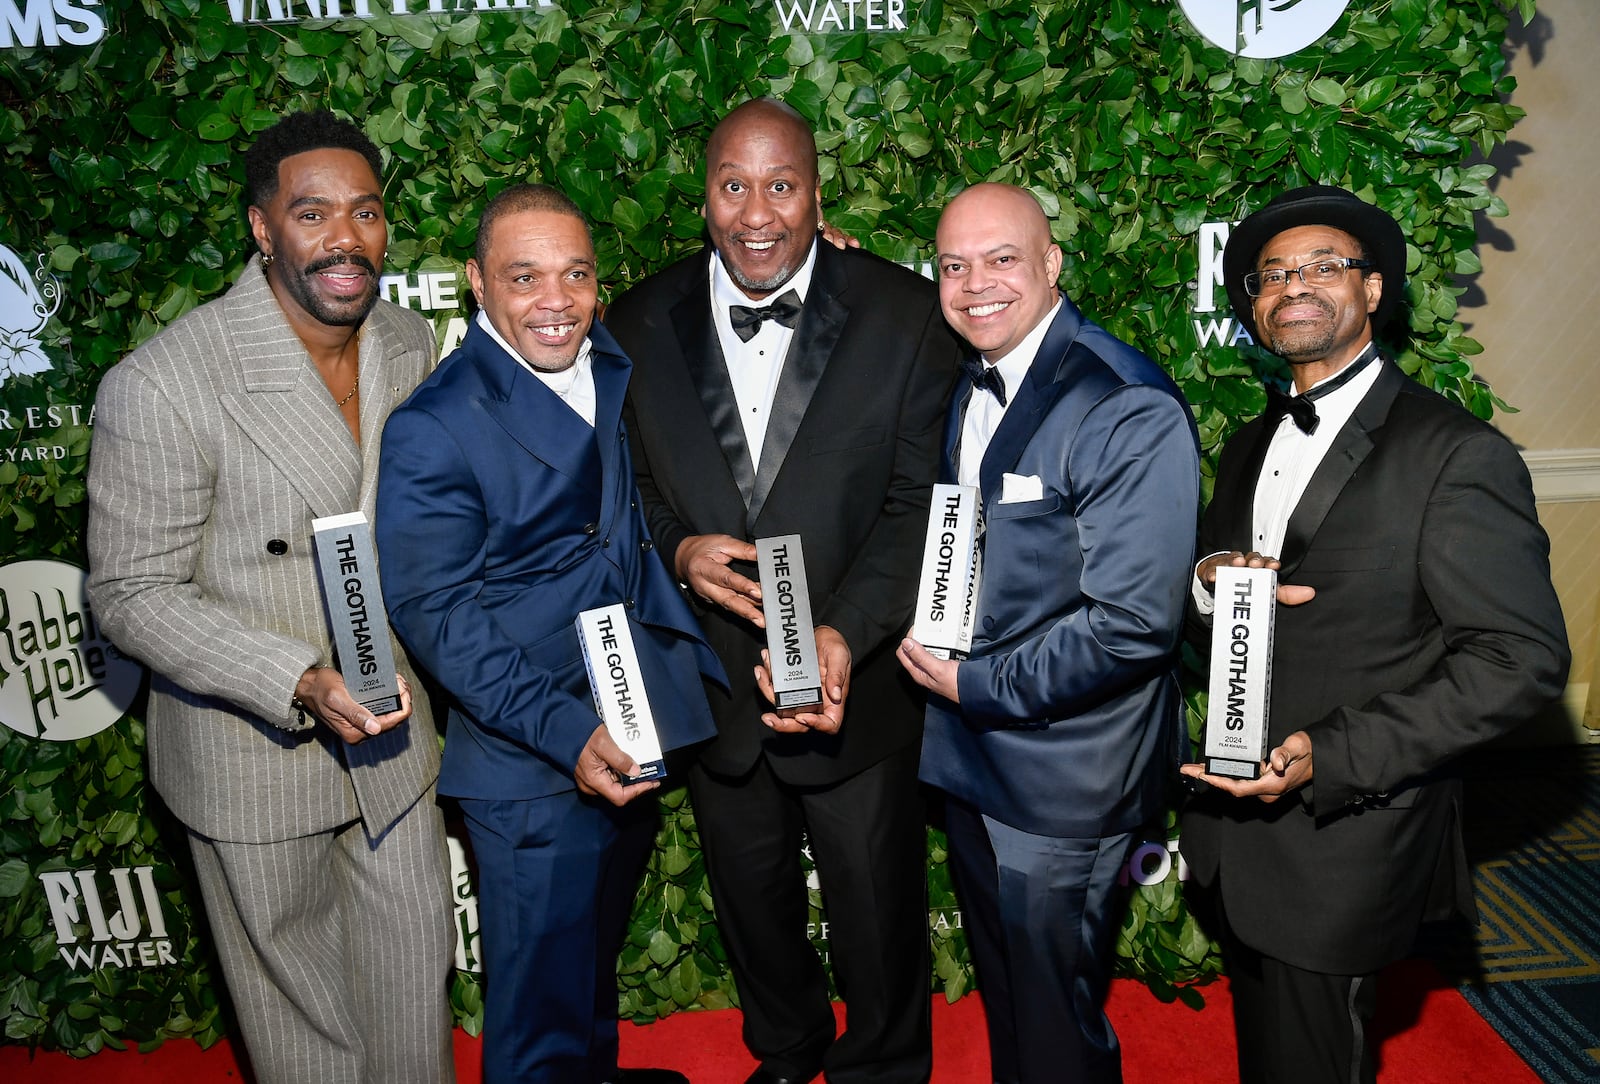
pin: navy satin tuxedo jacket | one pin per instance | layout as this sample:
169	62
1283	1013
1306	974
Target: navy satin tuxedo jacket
501	514
1069	715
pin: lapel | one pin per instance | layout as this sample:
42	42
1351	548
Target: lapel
954	418
1348	451
821	323
285	408
708	371
384	386
530	413
611	371
1048	378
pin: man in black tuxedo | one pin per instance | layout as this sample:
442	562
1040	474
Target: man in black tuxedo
783	386
1416	620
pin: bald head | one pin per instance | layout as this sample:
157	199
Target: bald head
763	202
997	267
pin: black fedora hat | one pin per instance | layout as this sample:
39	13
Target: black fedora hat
1317	205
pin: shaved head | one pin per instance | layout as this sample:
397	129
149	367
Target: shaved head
997	267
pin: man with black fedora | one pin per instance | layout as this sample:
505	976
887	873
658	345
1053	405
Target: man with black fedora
1415	620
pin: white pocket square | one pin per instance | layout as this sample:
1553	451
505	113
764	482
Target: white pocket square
1015	488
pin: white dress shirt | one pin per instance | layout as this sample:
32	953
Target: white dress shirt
984	410
755	366
1291	459
574	384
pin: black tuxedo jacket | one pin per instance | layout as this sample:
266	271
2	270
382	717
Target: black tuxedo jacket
1434	628
850	455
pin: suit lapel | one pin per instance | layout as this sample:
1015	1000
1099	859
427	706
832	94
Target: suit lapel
702	355
821	323
530	413
285	408
611	369
1345	456
1047	380
382	358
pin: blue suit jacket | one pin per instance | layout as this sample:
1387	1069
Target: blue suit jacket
500	516
1069	713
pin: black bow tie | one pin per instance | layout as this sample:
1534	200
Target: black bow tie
785	309
985	377
1302	409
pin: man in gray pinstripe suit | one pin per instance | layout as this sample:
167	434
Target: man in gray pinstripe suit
319	849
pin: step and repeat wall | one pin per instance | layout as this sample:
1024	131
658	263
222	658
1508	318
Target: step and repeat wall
1145	127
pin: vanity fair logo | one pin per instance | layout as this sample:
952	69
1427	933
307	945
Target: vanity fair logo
292	11
27	301
60	679
1263	28
30	23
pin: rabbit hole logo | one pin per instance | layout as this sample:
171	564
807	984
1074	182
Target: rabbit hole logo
60	678
27	301
1263	28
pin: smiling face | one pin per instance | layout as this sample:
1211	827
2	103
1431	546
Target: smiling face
1322	327
537	285
763	201
325	231
997	267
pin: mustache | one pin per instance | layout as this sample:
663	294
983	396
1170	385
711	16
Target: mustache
354	259
1303	299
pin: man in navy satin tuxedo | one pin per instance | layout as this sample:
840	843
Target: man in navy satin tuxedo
1053	740
506	505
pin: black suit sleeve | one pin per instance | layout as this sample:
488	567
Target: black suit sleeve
1484	567
874	599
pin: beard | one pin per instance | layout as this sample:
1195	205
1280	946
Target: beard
335	312
1302	340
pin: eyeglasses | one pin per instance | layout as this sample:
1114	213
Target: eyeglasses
1320	273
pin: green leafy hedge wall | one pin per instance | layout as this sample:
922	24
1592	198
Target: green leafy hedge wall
122	166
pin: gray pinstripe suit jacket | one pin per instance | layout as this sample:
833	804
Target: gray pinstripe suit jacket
212	440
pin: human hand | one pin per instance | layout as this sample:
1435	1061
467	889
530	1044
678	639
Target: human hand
702	562
928	670
1290	594
834	661
1287	768
600	765
321	692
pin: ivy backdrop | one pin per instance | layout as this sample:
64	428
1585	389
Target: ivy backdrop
122	164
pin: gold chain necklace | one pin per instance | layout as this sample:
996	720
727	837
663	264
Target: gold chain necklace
351	394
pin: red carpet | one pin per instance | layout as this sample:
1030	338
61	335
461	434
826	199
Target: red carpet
1429	1036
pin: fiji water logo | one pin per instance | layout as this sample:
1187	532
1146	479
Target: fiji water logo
1263	28
288	11
842	16
27	301
60	679
92	936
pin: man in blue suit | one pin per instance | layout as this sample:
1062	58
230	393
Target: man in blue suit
1053	740
506	505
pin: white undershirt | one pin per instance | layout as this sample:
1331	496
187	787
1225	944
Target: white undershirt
984	410
574	384
755	366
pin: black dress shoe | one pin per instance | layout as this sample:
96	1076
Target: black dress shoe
763	1075
650	1076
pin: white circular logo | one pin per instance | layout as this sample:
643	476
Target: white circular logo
1263	28
60	679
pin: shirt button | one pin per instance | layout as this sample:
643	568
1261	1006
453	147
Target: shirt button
277	547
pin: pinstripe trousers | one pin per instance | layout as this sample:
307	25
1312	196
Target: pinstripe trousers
337	950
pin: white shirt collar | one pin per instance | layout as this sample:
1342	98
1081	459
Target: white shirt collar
1016	363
